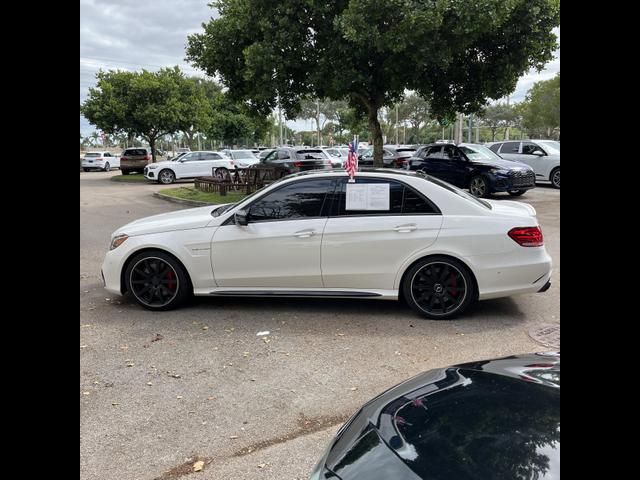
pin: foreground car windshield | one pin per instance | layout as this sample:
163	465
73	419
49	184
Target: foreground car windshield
478	153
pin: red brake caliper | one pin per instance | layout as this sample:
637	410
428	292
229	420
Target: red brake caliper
172	282
454	285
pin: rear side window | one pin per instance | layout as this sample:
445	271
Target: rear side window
403	200
510	147
310	155
434	153
294	201
135	151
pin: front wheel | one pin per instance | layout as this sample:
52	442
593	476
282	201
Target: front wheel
222	174
555	177
157	281
166	177
479	187
439	287
516	193
107	167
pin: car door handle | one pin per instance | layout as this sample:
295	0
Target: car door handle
409	227
305	233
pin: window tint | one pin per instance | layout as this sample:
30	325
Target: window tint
434	153
191	157
92	154
448	152
528	148
495	148
402	200
209	156
299	200
310	155
271	157
510	147
283	155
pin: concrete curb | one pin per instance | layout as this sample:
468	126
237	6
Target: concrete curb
193	203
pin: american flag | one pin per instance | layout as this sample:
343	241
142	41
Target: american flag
351	165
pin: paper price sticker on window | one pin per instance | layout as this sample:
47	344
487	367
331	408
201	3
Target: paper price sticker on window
367	196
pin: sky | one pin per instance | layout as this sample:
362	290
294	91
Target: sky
150	34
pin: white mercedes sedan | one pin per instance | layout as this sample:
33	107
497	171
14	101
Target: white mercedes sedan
388	235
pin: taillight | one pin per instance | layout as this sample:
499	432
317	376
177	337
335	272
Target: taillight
147	157
527	236
297	164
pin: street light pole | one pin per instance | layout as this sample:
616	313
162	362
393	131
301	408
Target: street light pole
318	119
280	119
396	124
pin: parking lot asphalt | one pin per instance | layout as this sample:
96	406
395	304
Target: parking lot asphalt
162	390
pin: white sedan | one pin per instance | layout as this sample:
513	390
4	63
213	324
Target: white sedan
389	235
190	165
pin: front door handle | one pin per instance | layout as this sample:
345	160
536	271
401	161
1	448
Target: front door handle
305	233
409	227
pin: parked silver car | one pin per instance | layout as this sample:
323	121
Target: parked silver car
541	155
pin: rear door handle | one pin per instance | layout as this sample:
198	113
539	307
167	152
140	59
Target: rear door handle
410	227
305	233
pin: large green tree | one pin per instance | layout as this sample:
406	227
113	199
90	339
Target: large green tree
455	54
147	104
541	108
498	116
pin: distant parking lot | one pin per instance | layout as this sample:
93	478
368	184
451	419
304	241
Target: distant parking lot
160	390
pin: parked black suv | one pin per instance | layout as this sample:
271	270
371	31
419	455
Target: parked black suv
297	159
475	167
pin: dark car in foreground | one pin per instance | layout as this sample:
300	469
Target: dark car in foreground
475	167
297	159
393	156
495	419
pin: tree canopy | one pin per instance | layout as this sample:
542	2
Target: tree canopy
454	54
541	108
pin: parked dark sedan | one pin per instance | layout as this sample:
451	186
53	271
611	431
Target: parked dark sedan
393	156
495	419
297	159
475	167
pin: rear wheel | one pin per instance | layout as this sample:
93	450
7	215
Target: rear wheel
555	177
86	169
222	174
157	281
478	186
438	287
166	177
107	167
516	193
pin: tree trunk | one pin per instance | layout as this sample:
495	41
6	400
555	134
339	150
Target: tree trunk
152	144
376	131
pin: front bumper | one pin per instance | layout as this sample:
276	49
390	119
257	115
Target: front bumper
510	183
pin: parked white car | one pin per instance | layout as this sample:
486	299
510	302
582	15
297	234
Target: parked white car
190	165
243	158
100	160
541	155
388	235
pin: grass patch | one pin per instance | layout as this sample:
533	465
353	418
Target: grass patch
132	177
190	193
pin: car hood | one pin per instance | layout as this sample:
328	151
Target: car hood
167	222
164	163
503	164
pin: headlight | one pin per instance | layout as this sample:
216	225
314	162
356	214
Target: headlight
151	167
117	241
498	171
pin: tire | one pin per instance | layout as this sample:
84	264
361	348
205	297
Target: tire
479	187
222	173
125	171
439	287
555	178
166	177
157	281
107	167
86	169
516	193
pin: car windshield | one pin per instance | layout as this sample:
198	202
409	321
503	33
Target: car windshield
456	190
478	153
551	146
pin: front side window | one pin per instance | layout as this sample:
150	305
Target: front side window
495	147
434	153
191	157
272	157
528	148
283	155
294	201
209	156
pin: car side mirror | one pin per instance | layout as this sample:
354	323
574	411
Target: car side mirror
242	217
538	152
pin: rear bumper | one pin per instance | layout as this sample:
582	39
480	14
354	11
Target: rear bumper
545	287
